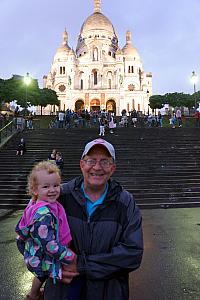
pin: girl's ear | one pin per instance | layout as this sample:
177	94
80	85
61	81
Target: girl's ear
35	192
34	196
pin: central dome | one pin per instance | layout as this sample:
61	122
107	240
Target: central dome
97	21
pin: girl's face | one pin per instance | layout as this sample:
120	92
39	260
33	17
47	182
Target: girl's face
48	188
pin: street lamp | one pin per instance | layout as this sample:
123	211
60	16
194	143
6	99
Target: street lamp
194	79
148	101
27	81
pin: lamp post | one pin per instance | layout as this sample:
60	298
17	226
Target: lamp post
194	79
148	101
27	81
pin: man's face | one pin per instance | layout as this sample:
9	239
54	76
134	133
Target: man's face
97	175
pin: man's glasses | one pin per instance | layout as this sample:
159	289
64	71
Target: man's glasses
104	163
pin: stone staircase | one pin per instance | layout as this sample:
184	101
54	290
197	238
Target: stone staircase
160	166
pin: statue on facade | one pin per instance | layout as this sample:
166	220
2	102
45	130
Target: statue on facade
121	80
95	54
69	81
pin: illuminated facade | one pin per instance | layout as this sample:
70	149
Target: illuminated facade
99	75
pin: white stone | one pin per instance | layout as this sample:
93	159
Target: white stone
99	74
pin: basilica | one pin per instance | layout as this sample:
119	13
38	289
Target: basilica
99	74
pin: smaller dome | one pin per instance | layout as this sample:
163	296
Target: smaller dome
64	48
129	49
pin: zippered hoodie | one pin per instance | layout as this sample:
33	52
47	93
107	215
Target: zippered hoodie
43	237
109	244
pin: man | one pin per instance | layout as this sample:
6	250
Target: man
179	117
106	231
61	118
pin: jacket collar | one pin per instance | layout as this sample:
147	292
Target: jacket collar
114	189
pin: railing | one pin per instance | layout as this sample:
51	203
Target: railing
7	131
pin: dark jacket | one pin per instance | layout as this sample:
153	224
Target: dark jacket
109	244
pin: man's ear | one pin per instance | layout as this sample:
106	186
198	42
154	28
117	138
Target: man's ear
114	168
81	164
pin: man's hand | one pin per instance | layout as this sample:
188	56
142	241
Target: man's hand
69	272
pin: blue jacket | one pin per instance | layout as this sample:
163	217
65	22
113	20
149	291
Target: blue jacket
109	244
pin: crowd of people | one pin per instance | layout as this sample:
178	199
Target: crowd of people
107	121
81	118
87	119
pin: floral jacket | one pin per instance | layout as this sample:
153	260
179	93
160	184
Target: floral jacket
39	243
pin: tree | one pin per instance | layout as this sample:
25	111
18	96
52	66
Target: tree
16	89
174	100
180	100
196	98
4	91
156	101
47	97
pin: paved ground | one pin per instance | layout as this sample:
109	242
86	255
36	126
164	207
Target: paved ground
170	269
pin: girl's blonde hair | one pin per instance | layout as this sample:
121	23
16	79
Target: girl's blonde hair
49	167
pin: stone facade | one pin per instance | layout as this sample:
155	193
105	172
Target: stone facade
99	75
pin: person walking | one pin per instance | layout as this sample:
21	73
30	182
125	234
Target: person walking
112	124
197	118
61	119
102	122
134	117
179	117
106	228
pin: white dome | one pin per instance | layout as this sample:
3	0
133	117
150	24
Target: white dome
97	21
129	49
64	48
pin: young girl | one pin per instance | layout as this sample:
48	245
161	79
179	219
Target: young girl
43	231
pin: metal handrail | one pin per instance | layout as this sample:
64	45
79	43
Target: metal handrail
7	131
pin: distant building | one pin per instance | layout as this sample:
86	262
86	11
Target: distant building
99	75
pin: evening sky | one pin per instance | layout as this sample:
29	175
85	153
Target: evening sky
166	34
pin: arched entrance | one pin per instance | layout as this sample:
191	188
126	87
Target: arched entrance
95	105
111	106
79	105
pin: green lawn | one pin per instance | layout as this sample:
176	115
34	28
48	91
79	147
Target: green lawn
42	121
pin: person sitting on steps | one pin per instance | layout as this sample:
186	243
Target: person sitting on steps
21	148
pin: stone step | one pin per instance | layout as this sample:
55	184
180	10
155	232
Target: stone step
18	203
160	167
